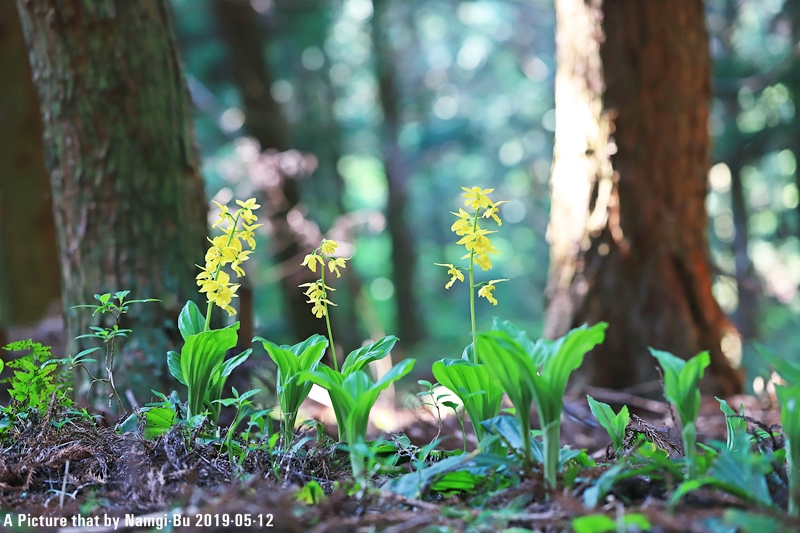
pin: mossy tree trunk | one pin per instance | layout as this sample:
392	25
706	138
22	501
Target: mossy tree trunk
628	222
29	276
128	196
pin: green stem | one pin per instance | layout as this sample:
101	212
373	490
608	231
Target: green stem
463	430
472	294
689	435
357	462
288	429
525	427
794	479
208	316
328	322
472	309
551	437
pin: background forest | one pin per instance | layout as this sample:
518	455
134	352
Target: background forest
374	114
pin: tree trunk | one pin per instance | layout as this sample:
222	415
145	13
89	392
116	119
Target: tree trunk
245	38
628	222
397	173
127	192
29	278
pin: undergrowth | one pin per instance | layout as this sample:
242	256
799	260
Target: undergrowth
512	469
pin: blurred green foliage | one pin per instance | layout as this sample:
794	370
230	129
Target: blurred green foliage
476	107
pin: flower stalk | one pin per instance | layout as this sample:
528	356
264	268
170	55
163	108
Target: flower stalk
478	247
317	291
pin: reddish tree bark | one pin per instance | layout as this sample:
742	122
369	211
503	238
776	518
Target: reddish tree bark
628	223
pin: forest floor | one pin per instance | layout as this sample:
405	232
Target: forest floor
86	472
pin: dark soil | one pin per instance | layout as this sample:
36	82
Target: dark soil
84	470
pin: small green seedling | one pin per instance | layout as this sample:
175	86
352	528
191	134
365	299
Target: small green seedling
538	374
614	424
33	382
681	380
789	398
116	306
735	423
292	362
244	408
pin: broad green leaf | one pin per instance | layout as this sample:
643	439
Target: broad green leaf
515	333
201	356
593	523
292	361
416	484
220	376
157	421
191	320
747	522
538	373
744	470
359	359
614	424
465	379
468	354
508	428
514	370
733	421
789	398
354	396
174	366
301	347
233	362
460	481
509	364
788	371
311	493
681	380
128	425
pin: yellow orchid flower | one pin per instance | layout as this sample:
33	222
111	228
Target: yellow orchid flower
487	290
463	224
476	197
247	234
328	247
452	271
335	264
249	204
223	214
491	211
311	261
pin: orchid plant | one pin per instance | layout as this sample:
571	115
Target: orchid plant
201	364
478	246
466	377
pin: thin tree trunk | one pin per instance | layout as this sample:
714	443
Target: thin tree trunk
128	195
628	226
745	318
29	277
397	174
